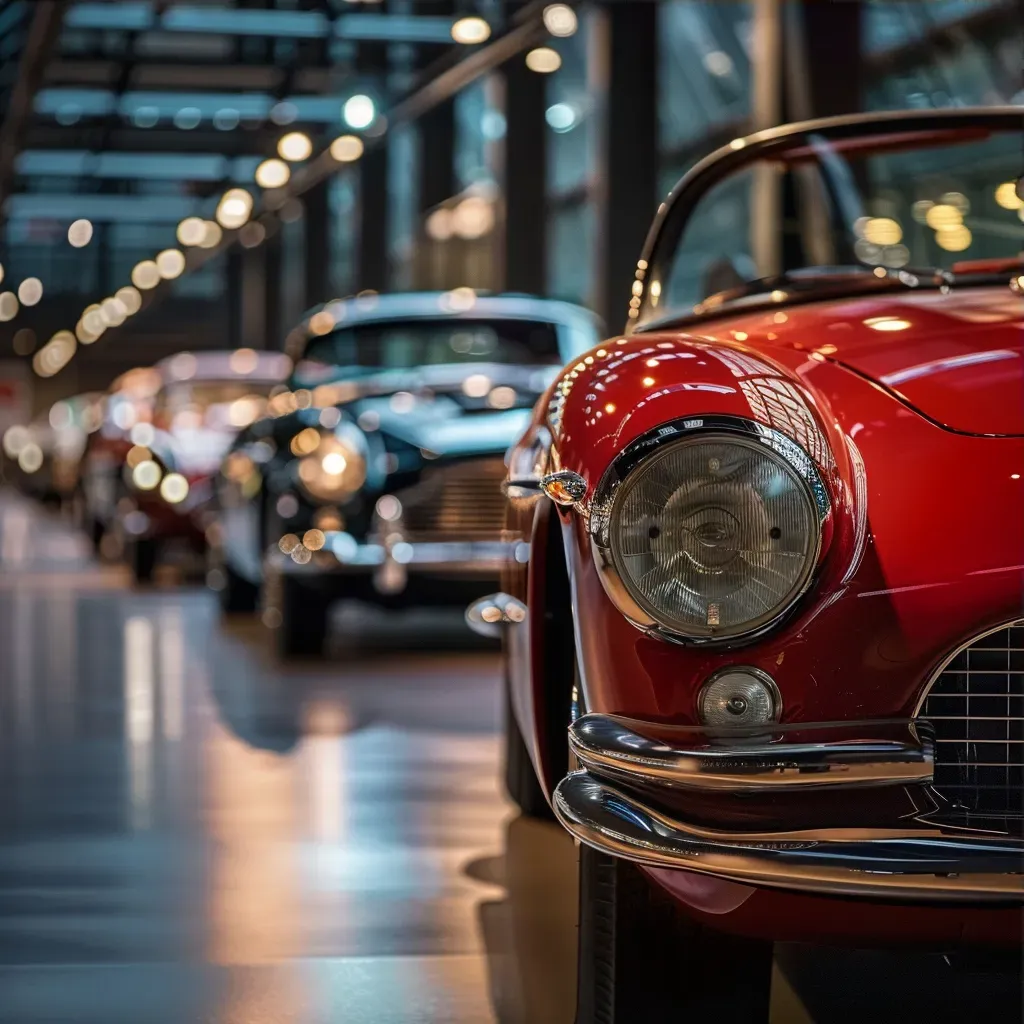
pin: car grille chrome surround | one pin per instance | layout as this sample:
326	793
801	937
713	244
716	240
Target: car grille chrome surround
975	703
459	501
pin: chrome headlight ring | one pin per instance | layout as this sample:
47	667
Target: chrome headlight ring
603	509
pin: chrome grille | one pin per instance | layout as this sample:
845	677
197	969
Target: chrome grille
460	501
976	704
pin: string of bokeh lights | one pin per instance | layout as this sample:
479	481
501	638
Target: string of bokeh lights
234	211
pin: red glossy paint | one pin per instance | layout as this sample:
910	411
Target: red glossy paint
956	357
926	548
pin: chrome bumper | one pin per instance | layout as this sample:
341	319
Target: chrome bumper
841	810
457	558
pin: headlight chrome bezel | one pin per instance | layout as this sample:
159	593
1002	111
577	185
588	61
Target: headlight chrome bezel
601	518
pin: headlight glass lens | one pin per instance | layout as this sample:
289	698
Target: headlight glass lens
714	536
334	470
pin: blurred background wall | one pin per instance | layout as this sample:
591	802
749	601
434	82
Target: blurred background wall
529	162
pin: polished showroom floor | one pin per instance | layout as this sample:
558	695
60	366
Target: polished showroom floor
192	832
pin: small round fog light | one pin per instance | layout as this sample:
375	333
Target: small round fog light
738	696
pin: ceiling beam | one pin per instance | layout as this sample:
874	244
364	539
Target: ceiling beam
161	105
124	138
140	16
42	35
135	209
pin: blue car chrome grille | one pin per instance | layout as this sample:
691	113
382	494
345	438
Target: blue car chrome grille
976	704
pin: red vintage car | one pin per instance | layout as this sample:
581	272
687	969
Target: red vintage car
165	479
777	590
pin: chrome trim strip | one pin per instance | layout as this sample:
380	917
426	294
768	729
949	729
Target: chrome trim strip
601	508
905	864
475	558
934	677
847	754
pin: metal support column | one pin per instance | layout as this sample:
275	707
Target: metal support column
273	330
437	138
317	249
824	59
525	173
629	151
437	155
254	282
372	272
234	279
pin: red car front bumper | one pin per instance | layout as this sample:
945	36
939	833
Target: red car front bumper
828	810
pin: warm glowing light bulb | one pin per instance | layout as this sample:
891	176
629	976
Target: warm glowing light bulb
30	291
113	312
191	231
560	20
80	233
1007	196
145	275
470	31
212	235
543	60
9	306
234	208
272	174
170	263
347	148
130	298
295	146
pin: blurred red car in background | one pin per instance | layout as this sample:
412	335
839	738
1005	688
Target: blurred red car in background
151	468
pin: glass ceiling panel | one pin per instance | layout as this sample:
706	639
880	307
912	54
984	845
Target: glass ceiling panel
705	68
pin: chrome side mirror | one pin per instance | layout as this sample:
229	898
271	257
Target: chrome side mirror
489	615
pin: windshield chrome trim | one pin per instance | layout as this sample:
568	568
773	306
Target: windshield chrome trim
677	207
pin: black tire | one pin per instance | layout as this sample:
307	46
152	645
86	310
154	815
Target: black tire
97	531
143	553
642	959
520	777
238	596
303	627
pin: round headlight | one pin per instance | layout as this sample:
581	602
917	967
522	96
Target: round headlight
335	470
715	535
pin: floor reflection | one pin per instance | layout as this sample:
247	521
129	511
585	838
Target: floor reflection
190	831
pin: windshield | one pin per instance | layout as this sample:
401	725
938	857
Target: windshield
397	346
211	405
837	212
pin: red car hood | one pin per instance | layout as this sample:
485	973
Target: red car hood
957	359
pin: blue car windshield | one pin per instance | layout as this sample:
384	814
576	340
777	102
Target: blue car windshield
370	348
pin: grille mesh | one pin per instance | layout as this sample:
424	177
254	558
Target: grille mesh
976	705
458	502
